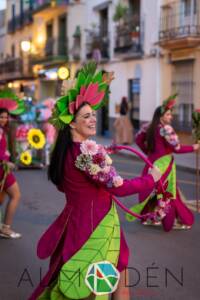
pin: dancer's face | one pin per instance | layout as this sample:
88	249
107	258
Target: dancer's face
84	124
166	118
3	119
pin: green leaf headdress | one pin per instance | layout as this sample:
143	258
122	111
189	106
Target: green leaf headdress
90	86
11	102
168	103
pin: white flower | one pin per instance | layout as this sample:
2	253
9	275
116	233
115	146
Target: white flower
89	147
168	129
108	160
94	169
117	181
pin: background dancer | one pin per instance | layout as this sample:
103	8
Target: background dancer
9	185
159	141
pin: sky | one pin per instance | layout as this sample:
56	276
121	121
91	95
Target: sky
2	4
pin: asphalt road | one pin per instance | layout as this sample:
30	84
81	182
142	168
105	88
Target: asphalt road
163	266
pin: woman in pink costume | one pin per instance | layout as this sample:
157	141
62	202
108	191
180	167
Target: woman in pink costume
8	184
88	229
159	141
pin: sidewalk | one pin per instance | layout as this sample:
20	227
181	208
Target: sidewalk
185	161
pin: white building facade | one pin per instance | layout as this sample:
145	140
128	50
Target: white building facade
127	46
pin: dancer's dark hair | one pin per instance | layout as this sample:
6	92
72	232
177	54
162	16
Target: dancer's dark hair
63	144
150	136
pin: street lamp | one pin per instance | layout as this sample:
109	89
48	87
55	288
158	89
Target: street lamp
26	46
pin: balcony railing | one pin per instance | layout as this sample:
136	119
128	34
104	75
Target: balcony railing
180	20
54	50
56	47
97	45
13	68
19	21
39	5
128	35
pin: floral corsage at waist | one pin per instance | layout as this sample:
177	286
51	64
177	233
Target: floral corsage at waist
170	135
97	164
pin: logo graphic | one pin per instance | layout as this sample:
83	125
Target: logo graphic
102	278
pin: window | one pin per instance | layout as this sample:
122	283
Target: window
183	84
190	7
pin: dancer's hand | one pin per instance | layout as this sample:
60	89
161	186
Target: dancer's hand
10	165
196	147
155	172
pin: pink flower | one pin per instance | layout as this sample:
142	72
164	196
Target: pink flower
89	147
102	150
117	181
106	169
162	203
7	153
161	213
1	133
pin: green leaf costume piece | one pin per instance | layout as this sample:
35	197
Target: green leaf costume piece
103	244
162	163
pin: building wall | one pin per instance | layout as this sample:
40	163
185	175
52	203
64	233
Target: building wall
150	63
77	17
24	33
197	80
185	54
41	19
2	34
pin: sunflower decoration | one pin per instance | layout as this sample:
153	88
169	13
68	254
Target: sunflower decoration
36	138
26	158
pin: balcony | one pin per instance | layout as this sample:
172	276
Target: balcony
180	25
49	5
19	21
55	51
97	45
15	68
128	36
41	4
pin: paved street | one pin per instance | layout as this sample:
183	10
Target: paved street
163	266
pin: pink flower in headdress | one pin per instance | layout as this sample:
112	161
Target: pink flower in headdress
170	104
89	147
88	94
